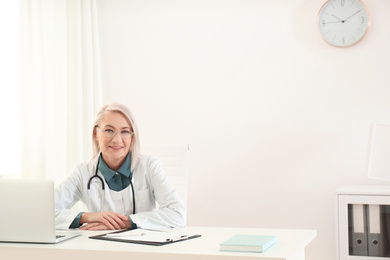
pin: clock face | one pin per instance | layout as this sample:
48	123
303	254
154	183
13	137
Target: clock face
343	23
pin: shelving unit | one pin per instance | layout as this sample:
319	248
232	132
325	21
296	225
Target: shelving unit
363	223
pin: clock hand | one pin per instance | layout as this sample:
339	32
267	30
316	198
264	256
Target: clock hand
352	15
337	18
333	22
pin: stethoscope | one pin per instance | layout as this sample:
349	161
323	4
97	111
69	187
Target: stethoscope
103	187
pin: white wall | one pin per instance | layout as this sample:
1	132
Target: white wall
276	119
9	87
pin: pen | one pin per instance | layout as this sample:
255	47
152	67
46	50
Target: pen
177	238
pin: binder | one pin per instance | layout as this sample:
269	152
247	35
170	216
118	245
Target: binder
374	240
357	230
386	220
376	231
368	230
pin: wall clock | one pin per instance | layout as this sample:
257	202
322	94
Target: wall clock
343	23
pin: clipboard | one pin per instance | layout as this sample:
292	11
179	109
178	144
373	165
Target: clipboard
145	237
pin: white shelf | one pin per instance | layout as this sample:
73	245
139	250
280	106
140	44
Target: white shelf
366	195
364	190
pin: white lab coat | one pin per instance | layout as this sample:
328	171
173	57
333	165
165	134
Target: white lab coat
150	186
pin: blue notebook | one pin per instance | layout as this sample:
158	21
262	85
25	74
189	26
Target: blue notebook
248	243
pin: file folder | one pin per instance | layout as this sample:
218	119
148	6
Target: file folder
358	230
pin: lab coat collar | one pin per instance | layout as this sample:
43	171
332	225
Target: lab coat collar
108	173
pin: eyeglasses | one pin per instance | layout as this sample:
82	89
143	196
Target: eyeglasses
125	134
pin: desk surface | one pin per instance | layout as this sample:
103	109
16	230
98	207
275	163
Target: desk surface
290	245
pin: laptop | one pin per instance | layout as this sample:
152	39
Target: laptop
27	212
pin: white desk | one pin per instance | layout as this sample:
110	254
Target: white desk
290	246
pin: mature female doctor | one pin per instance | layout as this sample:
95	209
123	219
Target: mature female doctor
119	186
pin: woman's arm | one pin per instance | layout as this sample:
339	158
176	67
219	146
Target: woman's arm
171	212
67	194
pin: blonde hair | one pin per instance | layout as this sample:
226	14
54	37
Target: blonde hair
126	112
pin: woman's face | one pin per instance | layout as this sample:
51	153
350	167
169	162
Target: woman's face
114	149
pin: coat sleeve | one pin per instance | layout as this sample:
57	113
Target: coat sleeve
67	194
171	212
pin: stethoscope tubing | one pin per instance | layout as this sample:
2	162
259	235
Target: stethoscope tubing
103	186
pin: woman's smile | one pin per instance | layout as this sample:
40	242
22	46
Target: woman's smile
116	148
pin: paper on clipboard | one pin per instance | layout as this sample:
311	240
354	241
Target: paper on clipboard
130	233
148	237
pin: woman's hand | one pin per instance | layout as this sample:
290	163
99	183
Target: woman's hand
94	226
104	220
